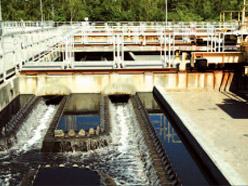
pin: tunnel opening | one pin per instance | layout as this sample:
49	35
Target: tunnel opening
52	99
119	98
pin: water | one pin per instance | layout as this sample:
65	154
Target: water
127	137
77	122
185	166
66	176
125	160
183	163
26	145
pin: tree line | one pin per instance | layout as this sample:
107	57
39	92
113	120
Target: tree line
117	10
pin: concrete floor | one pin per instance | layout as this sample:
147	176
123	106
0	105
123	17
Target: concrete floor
219	122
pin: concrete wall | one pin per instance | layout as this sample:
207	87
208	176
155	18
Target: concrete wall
117	83
83	102
8	91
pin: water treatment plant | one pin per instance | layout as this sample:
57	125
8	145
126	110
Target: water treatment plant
123	103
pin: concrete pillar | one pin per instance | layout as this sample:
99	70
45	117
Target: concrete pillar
182	66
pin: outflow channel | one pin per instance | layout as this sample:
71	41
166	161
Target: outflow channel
134	155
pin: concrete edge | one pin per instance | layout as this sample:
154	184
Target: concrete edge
9	90
212	159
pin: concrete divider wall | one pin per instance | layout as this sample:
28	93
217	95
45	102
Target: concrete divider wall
122	83
203	150
8	91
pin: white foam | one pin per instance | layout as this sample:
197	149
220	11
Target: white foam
33	130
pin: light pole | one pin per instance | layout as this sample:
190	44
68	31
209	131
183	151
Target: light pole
243	13
41	11
243	21
166	12
1	11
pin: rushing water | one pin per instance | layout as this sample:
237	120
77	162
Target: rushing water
26	144
127	137
125	160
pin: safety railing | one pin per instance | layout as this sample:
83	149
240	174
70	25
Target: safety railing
33	46
52	45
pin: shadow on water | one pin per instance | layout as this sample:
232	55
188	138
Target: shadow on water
66	176
185	166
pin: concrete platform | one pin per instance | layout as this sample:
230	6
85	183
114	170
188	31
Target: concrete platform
219	123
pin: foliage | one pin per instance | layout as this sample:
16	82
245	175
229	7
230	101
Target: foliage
118	10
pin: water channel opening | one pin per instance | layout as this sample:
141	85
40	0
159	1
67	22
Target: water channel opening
119	98
52	99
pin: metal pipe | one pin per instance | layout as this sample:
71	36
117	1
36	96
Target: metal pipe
223	43
166	13
174	43
114	47
165	48
1	11
219	41
169	50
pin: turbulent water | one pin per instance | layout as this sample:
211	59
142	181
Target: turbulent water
15	161
126	160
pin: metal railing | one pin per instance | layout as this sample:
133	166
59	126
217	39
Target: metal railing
33	46
52	45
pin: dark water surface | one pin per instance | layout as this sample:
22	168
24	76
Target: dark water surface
184	165
66	176
186	168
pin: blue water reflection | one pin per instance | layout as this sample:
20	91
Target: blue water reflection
182	161
77	122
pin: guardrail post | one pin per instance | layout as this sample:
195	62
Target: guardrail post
3	70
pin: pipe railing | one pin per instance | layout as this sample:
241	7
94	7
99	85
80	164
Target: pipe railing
34	43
